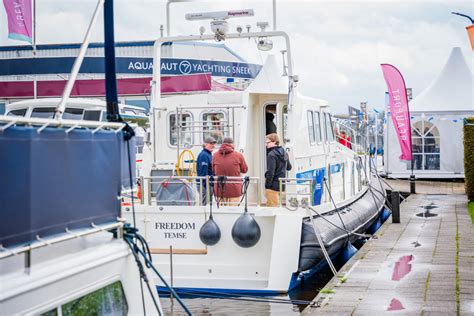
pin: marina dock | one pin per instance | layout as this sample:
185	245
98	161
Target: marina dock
422	266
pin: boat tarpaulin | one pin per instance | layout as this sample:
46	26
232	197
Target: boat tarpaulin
53	180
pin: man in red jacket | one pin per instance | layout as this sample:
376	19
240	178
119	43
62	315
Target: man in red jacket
229	163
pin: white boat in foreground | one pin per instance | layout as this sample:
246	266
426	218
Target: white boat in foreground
329	196
63	250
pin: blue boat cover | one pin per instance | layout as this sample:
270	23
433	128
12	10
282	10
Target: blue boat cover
54	180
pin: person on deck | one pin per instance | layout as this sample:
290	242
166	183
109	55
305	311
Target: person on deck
227	162
277	165
344	139
270	126
204	164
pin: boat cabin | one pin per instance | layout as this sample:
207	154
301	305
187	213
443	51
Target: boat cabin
305	129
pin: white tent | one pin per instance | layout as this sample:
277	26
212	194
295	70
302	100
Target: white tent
437	116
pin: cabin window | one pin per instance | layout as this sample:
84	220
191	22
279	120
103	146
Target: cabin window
215	125
2	108
43	112
425	146
329	131
184	125
143	103
133	111
109	300
312	139
19	112
317	127
73	114
91	115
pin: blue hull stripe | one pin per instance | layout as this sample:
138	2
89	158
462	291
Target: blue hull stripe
215	292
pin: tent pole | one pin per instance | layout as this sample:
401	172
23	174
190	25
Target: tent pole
412	176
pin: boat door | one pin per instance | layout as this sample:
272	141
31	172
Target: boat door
274	119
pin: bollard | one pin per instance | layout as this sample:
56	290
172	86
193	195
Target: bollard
395	197
412	184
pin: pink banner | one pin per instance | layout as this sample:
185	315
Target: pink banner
399	108
19	19
96	87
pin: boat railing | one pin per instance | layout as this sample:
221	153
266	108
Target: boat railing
295	192
195	190
356	140
8	121
68	234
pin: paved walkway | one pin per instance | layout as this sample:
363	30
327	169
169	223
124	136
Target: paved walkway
423	266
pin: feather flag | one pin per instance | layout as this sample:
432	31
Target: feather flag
399	108
19	19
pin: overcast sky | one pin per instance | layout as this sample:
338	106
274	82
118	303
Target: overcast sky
337	45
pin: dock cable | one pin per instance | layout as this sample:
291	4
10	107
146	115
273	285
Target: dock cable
245	187
131	236
334	203
143	277
388	184
339	227
372	162
370	187
383	193
321	243
221	182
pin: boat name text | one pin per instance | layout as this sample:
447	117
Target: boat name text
169	226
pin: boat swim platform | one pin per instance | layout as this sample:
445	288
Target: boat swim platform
422	266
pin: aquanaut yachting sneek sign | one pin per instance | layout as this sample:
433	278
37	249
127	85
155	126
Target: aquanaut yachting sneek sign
127	65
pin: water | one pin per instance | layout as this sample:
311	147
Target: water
253	305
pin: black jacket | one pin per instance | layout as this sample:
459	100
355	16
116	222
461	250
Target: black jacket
277	165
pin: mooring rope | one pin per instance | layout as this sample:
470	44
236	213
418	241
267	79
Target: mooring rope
321	243
131	236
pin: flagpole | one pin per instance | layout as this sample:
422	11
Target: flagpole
412	176
35	81
34	27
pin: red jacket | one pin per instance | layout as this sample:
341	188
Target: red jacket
227	162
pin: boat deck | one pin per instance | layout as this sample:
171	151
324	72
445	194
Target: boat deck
422	266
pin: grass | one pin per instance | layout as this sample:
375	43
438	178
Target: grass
458	290
342	279
327	291
427	282
470	209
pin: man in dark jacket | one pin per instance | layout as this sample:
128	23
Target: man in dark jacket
228	163
278	164
204	164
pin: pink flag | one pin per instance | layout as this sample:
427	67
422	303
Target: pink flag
399	108
19	19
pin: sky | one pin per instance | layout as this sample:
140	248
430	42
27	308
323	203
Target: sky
337	46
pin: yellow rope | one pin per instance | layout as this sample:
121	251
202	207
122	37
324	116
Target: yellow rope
180	163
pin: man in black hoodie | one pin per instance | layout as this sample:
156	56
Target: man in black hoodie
277	165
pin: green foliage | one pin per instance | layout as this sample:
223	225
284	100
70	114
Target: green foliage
327	291
469	157
470	209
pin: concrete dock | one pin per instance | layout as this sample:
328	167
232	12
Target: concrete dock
422	266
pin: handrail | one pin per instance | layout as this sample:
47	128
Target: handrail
67	235
12	120
146	189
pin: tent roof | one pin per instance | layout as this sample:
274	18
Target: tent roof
269	79
451	90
